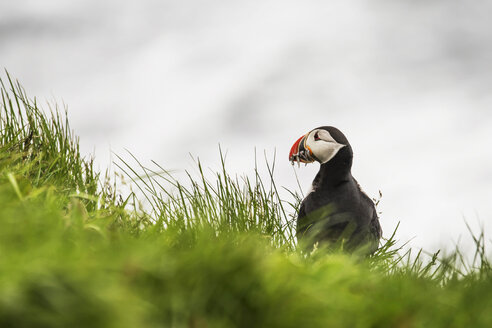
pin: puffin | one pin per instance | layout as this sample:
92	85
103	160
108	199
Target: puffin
336	214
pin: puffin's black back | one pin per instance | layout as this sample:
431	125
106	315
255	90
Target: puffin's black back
337	211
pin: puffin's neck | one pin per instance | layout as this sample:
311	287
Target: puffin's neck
333	173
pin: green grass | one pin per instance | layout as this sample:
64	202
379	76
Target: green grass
195	252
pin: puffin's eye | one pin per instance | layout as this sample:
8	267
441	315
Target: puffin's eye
316	136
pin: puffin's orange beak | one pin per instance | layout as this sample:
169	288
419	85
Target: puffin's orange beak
300	152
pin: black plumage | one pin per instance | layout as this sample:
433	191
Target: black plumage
336	213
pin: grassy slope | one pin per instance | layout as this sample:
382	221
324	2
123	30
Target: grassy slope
215	254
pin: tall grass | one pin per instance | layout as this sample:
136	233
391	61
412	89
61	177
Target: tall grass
42	148
216	252
226	205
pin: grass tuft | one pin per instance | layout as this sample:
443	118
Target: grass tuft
227	205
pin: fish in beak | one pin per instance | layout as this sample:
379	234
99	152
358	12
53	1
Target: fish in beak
301	152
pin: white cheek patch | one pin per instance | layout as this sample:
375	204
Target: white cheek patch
324	149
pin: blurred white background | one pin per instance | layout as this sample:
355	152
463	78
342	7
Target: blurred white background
409	83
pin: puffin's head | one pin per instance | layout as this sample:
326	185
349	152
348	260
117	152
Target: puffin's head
321	144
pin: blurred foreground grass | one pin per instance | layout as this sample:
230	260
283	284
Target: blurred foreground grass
73	252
